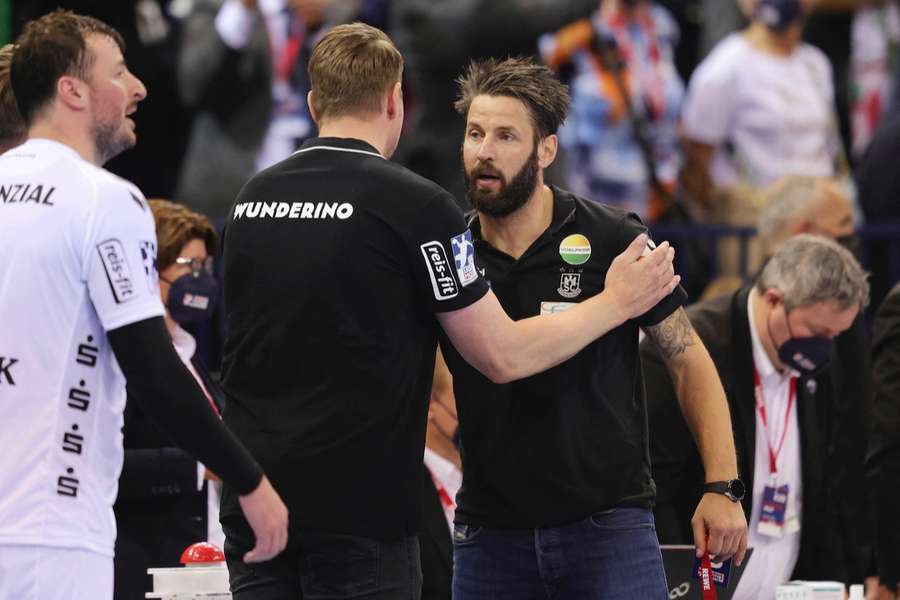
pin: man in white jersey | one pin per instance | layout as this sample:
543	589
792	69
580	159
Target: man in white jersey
81	314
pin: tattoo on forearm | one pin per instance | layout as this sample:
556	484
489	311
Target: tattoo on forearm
673	335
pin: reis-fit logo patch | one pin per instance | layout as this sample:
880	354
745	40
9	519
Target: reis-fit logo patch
439	269
115	263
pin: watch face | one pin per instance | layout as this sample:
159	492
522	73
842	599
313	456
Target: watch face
736	488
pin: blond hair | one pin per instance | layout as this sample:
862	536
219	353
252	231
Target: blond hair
351	69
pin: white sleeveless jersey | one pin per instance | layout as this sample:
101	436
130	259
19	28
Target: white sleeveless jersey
77	259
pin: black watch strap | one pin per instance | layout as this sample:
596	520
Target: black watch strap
733	489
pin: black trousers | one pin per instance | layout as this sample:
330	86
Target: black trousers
324	566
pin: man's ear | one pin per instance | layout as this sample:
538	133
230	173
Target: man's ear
395	101
773	297
547	149
312	110
73	92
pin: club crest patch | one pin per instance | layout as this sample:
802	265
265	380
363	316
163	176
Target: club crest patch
569	285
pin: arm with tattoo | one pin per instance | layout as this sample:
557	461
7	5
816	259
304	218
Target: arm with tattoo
673	336
703	404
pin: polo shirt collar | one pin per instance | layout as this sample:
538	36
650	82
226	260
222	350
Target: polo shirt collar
338	144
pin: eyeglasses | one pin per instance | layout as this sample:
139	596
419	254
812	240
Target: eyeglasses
197	264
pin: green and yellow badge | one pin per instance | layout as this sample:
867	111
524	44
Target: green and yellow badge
575	249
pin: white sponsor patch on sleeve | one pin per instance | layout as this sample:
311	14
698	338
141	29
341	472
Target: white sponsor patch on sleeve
118	272
442	280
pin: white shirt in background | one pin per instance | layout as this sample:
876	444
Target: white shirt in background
775	111
186	346
773	559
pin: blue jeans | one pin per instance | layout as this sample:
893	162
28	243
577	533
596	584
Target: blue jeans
324	566
612	555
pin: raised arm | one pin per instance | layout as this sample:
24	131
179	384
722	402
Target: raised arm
505	350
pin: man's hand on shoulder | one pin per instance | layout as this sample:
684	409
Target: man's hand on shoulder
638	281
720	528
268	517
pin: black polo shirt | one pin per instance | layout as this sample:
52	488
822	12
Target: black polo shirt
558	446
336	261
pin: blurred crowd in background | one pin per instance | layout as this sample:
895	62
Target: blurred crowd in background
684	111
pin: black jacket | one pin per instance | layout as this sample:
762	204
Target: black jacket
159	511
884	452
827	549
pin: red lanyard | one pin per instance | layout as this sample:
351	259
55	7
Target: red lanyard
707	587
761	409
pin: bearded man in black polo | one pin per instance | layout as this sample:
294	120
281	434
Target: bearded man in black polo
557	490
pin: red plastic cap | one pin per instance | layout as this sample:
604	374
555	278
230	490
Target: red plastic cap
202	552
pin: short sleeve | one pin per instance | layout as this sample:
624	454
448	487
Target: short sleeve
708	106
443	256
120	257
630	227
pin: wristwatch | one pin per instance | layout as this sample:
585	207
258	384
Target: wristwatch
733	489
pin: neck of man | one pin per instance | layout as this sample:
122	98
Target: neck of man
514	233
772	42
760	321
67	131
372	131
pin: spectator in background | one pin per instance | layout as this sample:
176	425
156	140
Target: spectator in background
759	107
798	204
620	139
875	39
443	476
771	342
167	500
795	205
12	126
438	38
242	67
792	205
884	453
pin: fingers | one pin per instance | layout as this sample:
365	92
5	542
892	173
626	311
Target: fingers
268	517
699	528
635	249
715	544
742	549
663	253
267	547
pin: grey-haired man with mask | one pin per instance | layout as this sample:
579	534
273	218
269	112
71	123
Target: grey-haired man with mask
771	342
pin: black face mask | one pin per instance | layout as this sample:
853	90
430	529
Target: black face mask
805	355
192	297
